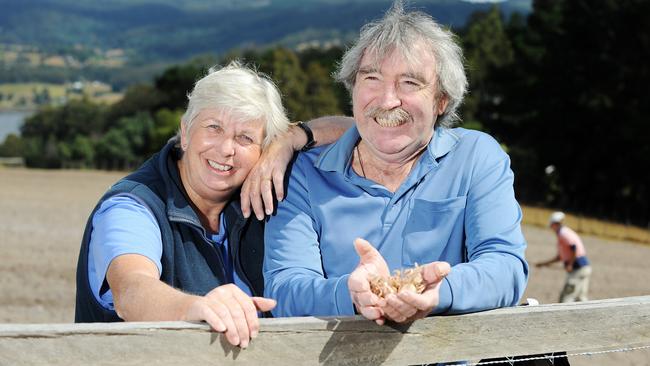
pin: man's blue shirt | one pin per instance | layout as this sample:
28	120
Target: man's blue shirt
456	205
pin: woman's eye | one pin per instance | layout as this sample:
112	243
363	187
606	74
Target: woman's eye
215	128
245	140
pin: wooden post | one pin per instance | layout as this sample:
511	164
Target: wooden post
577	327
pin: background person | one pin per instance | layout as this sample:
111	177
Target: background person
169	241
571	252
404	180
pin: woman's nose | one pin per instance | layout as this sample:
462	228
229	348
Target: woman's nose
227	147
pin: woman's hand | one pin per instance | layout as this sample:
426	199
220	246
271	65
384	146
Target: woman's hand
230	311
139	295
268	174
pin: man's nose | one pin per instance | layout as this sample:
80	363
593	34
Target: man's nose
390	98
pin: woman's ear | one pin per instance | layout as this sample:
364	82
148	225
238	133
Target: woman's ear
184	137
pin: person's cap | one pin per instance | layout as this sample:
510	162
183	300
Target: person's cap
556	217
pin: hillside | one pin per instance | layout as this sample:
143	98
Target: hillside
144	31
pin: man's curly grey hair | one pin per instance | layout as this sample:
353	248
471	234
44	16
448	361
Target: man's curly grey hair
397	31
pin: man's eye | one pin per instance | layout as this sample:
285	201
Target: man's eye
410	85
215	128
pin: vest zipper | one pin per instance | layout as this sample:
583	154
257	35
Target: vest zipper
211	244
234	249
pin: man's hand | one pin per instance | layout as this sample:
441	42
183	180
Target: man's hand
407	306
371	264
268	174
229	310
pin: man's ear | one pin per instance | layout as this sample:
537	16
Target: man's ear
441	106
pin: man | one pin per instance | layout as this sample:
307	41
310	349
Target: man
419	191
571	251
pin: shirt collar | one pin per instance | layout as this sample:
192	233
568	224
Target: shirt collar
336	157
443	141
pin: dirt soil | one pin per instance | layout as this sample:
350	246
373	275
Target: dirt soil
43	213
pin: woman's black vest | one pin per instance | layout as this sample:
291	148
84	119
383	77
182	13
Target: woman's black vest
189	260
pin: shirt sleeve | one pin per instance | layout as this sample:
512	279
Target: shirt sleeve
496	273
121	225
293	270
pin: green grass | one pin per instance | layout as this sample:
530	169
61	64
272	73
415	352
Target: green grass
99	93
55	90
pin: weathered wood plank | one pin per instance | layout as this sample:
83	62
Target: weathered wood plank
588	326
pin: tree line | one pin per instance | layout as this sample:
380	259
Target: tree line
563	89
82	134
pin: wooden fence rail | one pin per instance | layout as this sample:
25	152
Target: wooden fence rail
578	327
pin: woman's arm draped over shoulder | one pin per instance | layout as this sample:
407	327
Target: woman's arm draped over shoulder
268	174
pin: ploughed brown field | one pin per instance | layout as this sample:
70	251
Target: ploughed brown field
43	213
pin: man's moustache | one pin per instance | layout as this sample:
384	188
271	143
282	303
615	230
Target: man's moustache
396	116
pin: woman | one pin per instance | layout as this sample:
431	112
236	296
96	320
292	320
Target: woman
169	241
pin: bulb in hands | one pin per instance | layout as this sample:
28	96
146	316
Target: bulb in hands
407	280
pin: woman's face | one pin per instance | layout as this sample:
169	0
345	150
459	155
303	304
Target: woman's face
219	151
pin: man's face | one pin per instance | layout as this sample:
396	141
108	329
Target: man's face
396	103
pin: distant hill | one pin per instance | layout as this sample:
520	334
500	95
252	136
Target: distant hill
170	30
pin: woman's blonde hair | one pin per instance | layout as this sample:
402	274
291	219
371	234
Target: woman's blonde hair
243	92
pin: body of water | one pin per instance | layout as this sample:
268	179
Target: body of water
11	121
